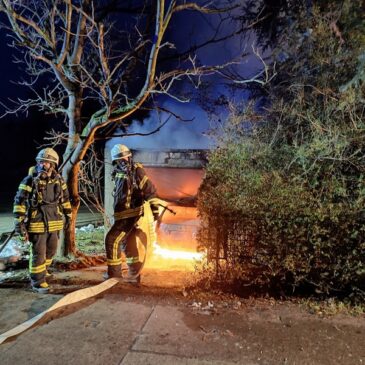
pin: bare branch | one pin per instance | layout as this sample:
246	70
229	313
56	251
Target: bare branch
202	9
99	74
66	36
263	77
15	16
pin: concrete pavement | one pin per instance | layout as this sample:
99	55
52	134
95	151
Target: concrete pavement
157	323
110	331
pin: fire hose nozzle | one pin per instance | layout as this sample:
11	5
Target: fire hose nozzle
167	208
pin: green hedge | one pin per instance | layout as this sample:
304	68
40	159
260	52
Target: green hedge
283	202
267	231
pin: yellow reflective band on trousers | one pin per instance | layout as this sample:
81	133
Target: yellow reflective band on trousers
37	269
132	260
48	262
64	186
115	249
114	262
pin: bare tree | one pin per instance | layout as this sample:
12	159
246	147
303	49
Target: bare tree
111	63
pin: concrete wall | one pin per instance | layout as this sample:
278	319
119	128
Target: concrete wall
191	159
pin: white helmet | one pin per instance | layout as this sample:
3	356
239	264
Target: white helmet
120	151
48	154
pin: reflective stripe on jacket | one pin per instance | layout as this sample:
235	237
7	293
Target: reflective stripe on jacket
131	191
43	202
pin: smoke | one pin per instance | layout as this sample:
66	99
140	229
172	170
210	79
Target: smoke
175	134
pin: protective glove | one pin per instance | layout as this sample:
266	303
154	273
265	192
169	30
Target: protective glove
21	230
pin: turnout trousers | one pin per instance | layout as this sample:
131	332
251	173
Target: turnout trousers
43	248
122	236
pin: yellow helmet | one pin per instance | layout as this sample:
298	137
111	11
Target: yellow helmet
48	154
120	151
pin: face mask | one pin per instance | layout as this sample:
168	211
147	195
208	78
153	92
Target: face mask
123	165
42	171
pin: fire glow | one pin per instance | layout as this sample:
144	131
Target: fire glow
176	254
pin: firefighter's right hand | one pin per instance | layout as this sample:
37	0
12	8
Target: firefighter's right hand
21	231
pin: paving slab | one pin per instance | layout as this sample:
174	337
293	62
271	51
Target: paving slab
173	331
152	325
141	358
17	305
99	333
252	337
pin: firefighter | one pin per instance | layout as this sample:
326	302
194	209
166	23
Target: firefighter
41	202
132	189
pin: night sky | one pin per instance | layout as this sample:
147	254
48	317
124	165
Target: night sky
21	135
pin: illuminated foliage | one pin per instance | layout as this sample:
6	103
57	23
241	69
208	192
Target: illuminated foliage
290	190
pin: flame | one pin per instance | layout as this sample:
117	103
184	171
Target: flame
176	254
176	259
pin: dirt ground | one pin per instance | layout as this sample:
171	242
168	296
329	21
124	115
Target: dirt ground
247	331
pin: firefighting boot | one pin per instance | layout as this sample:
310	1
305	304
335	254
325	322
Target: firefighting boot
134	274
107	275
42	288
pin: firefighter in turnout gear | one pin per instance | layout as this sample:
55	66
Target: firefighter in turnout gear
41	203
132	189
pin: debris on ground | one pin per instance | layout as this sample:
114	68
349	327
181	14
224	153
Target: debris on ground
14	251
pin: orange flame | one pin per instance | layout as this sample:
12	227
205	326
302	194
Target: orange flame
176	254
180	259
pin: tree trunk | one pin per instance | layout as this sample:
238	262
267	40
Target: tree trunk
70	172
69	244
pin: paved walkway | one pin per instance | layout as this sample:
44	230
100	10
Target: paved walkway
158	324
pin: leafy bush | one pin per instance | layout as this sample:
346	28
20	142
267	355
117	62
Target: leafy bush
282	204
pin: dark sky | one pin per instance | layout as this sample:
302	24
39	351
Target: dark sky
21	135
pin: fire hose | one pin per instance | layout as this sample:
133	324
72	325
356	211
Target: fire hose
146	216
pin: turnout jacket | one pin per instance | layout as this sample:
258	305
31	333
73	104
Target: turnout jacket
132	189
42	201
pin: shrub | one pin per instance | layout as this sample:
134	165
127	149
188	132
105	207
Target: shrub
282	203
